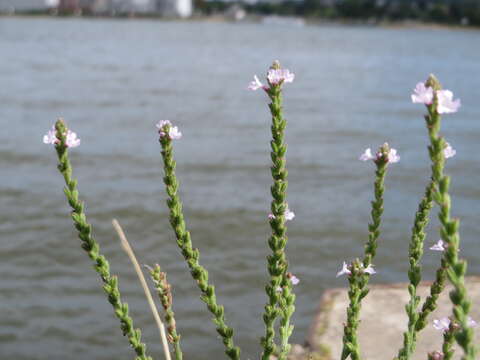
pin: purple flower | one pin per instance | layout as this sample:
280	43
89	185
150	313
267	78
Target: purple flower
471	322
422	94
440	245
255	84
162	123
446	104
277	76
71	139
345	270
442	324
449	152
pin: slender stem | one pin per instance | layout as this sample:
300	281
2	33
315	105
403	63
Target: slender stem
164	290
191	255
279	289
131	255
448	342
456	268
110	283
414	273
358	280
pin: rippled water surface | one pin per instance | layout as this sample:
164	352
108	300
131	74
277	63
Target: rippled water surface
113	80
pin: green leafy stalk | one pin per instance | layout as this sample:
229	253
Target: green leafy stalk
448	342
164	291
92	248
279	289
191	255
456	268
358	279
415	273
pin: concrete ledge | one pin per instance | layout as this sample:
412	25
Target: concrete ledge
383	320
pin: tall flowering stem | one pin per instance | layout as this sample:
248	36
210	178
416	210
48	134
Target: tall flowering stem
101	266
279	289
164	291
455	267
415	276
191	255
358	277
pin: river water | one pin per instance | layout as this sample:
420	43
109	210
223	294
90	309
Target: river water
113	80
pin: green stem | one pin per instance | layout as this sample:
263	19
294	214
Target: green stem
358	280
110	283
164	291
279	302
456	268
191	255
414	274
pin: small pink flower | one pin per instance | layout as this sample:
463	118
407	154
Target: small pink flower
71	139
161	124
436	355
50	137
449	152
369	270
422	94
471	322
277	76
393	157
173	132
442	324
345	270
294	280
446	104
255	84
271	216
440	245
367	155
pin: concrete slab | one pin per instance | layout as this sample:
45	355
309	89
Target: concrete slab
383	320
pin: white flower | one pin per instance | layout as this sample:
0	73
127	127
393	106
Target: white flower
440	245
72	140
367	155
449	152
442	324
344	270
161	124
255	84
369	270
422	94
50	137
174	134
289	215
471	322
393	157
294	279
446	104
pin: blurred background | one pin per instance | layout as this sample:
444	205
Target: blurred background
112	79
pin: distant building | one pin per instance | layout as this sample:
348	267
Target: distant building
175	8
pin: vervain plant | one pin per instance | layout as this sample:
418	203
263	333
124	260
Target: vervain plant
279	288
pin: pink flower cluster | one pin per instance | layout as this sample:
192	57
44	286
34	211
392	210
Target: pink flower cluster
392	156
172	131
425	95
346	270
51	138
274	77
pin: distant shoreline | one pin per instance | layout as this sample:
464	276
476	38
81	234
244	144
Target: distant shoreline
256	18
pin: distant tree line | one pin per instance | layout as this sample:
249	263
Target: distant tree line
465	12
